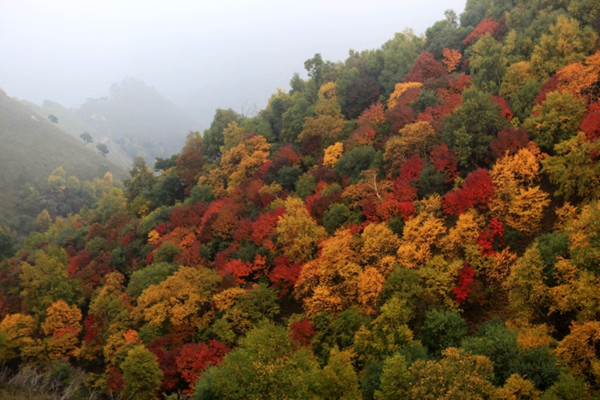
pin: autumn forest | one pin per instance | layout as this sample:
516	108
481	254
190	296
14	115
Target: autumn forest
419	221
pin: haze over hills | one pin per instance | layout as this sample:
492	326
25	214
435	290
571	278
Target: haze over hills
33	147
70	122
139	119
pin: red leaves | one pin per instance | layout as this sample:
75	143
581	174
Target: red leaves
284	274
490	239
476	190
425	67
196	357
591	122
511	140
443	159
302	331
488	25
463	287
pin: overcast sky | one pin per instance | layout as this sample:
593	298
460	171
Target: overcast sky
201	55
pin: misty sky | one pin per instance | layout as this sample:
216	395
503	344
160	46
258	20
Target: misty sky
201	55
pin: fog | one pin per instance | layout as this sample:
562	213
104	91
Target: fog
201	55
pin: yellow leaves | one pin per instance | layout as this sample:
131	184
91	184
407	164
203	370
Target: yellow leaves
420	234
399	90
62	325
370	285
451	59
465	232
17	331
516	201
180	299
153	236
297	232
413	138
227	298
578	349
379	242
332	154
328	123
517	387
580	78
243	160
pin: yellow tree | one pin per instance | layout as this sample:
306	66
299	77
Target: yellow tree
183	299
378	244
421	234
517	200
297	233
62	327
330	283
370	286
579	349
242	161
332	154
16	332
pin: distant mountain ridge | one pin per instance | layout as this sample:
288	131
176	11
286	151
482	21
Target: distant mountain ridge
139	119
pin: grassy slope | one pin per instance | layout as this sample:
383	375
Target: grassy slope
31	147
70	122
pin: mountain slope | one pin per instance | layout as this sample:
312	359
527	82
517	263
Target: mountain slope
139	119
32	147
69	121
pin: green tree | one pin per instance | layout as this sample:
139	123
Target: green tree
442	329
395	379
487	64
556	119
86	137
266	365
103	149
141	374
213	136
472	126
574	169
47	281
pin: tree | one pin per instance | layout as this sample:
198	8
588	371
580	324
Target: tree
102	148
328	123
17	337
182	299
517	200
556	119
298	234
458	375
567	42
472	126
451	59
395	380
62	327
487	64
141	374
46	281
442	329
579	349
574	168
267	364
53	118
213	136
339	380
86	137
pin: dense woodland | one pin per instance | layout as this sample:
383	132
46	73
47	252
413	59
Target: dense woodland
418	221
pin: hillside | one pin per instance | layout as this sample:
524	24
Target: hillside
138	119
70	122
420	221
33	147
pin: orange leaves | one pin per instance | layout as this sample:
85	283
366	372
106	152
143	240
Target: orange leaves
581	78
404	93
451	59
62	325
